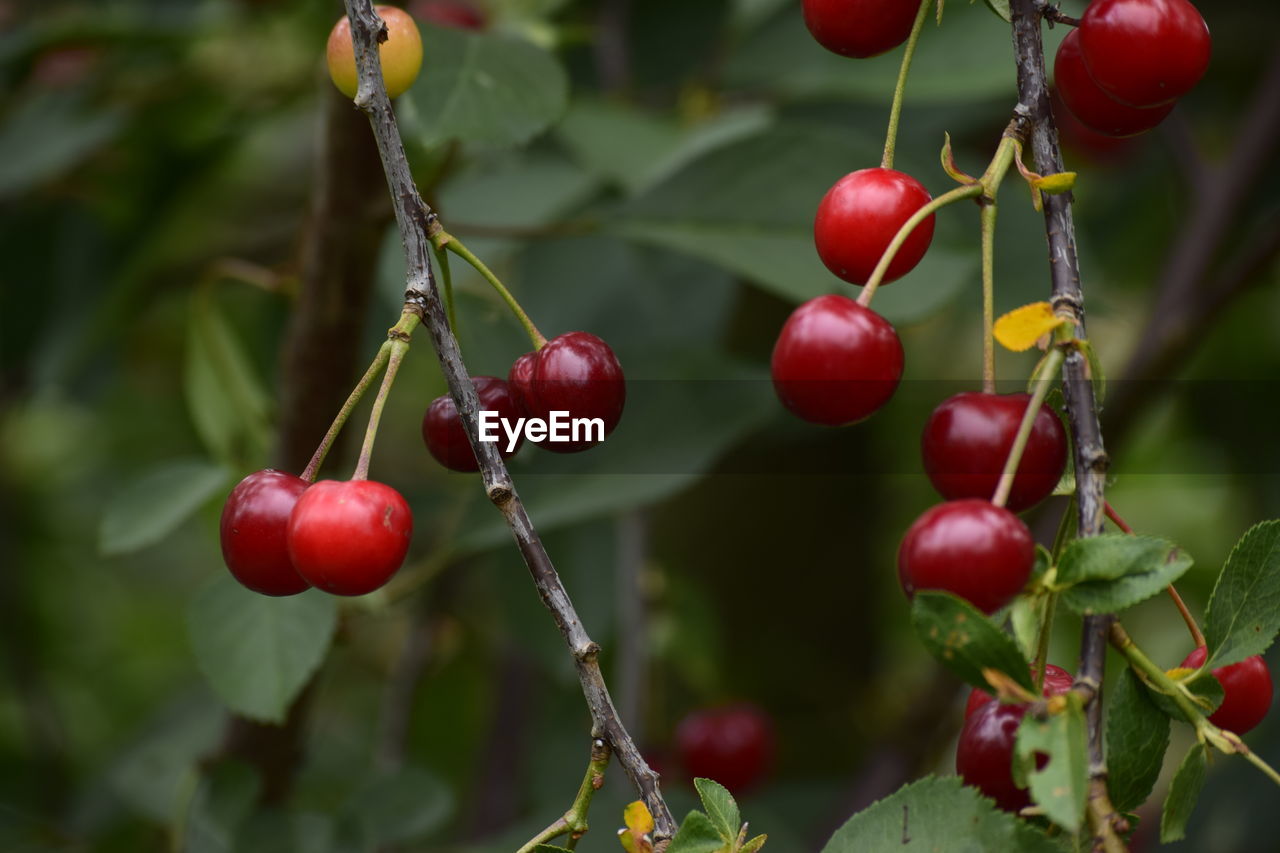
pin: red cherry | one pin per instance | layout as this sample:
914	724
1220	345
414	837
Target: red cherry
734	745
349	537
1056	680
971	548
1246	691
984	754
577	373
860	28
445	436
252	530
836	362
453	14
1144	52
1098	110
967	440
860	215
1086	142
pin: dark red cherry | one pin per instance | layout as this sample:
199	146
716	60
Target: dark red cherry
1056	680
445	436
1144	52
836	362
968	437
577	375
971	548
734	745
860	28
984	754
349	537
1246	691
252	530
860	215
1094	107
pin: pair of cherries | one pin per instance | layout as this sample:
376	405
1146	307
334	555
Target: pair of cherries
1125	67
576	373
282	535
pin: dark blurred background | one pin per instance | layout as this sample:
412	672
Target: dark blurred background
174	174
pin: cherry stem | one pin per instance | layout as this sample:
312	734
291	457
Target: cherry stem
444	240
1047	373
397	345
966	191
317	458
1042	645
988	220
574	821
442	258
1197	636
895	111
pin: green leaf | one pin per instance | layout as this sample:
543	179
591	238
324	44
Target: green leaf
697	835
49	133
1137	737
223	801
1244	611
259	651
1103	574
1001	8
754	844
720	806
936	814
964	640
1183	793
151	506
228	404
483	88
400	806
1061	785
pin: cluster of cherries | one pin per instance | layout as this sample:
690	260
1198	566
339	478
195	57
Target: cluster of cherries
1121	72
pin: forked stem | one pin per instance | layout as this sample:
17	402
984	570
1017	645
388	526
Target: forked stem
444	240
317	458
396	346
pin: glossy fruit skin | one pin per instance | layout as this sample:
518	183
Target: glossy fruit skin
968	437
452	14
971	548
1246	691
576	372
1144	52
1083	142
349	537
401	53
1095	108
861	214
733	744
835	362
1056	680
860	28
445	437
252	530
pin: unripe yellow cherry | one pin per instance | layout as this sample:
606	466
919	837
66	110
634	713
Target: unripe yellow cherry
401	53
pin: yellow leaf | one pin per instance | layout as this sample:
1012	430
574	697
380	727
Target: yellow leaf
1022	327
628	841
637	818
1058	182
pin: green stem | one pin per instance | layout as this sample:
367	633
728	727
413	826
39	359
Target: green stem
317	458
574	821
442	258
988	219
1042	646
966	191
1052	363
397	345
1065	526
895	111
448	241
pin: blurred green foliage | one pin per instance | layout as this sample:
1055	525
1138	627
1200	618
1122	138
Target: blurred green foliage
156	162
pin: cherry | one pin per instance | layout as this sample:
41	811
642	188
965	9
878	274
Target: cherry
1094	107
445	436
577	373
860	28
400	54
452	14
1246	691
971	548
984	754
732	744
859	217
252	530
1083	140
836	362
1144	52
967	440
1056	680
349	537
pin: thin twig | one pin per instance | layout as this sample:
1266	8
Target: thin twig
417	225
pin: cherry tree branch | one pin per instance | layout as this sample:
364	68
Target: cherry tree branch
1090	454
418	226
